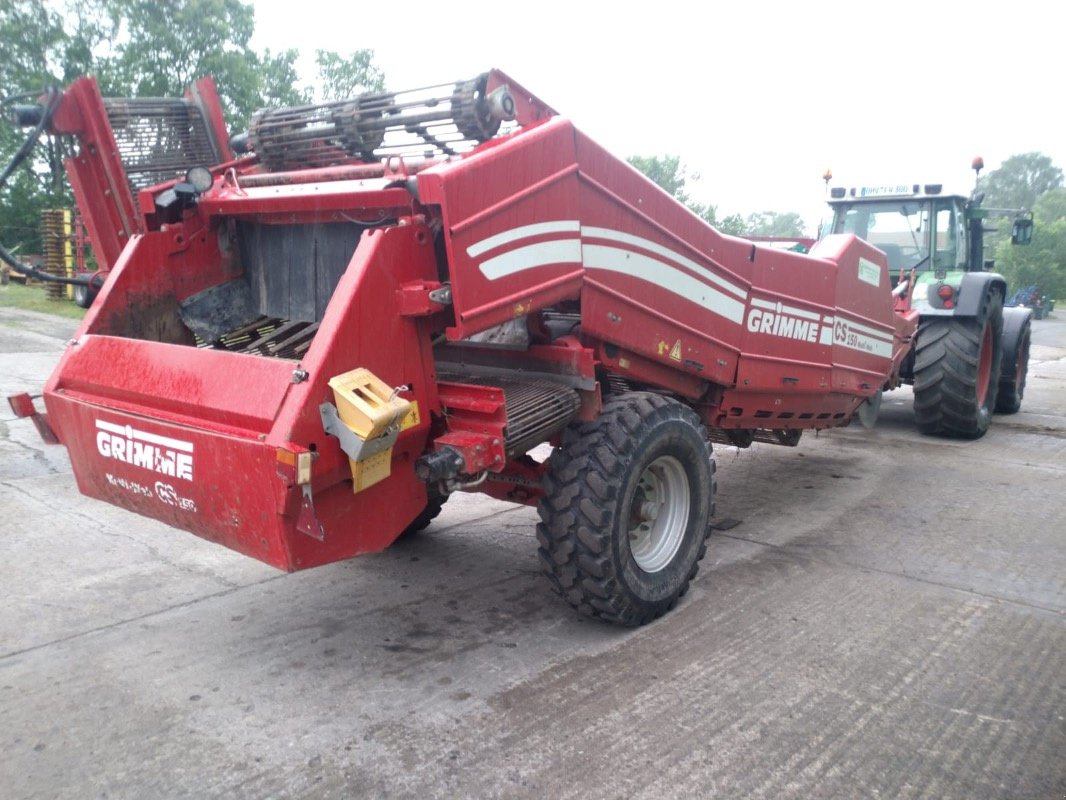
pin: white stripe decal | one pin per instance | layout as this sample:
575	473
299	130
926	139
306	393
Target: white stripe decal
524	232
561	251
635	265
143	436
835	331
665	252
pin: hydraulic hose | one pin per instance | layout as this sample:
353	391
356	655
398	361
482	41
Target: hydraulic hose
52	98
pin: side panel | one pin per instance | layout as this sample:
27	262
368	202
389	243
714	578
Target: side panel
363	327
221	487
657	282
512	226
656	279
864	333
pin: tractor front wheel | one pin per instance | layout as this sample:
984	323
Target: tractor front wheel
956	371
1011	389
626	510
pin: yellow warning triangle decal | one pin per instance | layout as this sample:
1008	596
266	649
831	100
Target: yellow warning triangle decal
675	353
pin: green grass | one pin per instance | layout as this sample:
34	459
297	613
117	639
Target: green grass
35	298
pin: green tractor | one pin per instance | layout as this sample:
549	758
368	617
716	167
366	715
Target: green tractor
971	354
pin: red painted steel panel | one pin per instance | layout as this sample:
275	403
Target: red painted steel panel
233	411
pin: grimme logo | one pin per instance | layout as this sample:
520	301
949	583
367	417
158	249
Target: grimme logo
160	454
779	323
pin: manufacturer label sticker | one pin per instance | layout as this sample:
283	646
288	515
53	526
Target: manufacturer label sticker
869	272
162	454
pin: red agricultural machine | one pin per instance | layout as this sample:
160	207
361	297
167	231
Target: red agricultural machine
300	353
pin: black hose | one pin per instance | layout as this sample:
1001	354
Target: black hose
53	96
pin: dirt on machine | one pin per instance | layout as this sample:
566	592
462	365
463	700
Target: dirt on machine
307	337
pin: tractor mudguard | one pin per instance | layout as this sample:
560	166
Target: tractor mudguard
973	289
1016	322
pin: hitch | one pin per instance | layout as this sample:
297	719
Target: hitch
22	405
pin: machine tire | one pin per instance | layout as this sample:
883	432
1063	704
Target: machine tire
1009	398
956	371
427	515
625	516
83	296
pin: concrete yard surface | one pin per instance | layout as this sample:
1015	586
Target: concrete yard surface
879	614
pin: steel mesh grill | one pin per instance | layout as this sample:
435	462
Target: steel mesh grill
535	409
159	138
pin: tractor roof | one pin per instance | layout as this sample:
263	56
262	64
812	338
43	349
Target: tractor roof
874	193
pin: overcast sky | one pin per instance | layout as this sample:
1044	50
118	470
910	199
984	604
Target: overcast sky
759	98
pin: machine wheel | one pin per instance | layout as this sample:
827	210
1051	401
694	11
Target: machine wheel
956	371
83	296
626	511
428	514
1009	398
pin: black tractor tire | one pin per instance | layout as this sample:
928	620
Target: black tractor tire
625	516
428	514
956	371
1011	391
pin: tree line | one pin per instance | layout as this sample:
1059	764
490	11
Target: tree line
1033	182
670	173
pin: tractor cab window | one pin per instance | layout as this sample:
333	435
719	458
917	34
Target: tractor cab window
947	253
899	229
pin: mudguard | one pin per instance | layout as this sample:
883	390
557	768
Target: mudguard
972	291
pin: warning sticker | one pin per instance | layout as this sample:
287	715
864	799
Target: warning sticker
675	352
411	419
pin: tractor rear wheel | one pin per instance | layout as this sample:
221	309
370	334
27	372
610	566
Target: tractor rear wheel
1009	399
956	371
626	510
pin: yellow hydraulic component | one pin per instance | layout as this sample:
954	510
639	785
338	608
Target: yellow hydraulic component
373	411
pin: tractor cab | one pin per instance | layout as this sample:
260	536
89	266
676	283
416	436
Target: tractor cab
916	226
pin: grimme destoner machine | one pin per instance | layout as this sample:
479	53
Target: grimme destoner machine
307	337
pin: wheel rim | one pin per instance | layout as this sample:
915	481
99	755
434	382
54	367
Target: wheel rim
984	367
659	514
